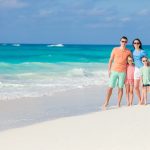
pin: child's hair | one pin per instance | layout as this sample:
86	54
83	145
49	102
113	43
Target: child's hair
147	60
131	58
144	57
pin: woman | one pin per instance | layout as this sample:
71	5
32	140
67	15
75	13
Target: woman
138	53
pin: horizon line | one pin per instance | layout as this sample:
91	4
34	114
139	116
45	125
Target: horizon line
61	43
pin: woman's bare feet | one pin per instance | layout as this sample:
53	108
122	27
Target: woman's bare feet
128	104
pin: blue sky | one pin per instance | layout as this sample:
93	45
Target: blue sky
70	21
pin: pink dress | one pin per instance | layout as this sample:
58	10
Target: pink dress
130	75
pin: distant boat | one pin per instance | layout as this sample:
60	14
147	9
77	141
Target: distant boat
55	45
16	44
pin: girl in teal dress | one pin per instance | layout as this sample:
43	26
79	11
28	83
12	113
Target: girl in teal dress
145	72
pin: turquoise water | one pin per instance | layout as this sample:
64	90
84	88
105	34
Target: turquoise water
45	53
55	54
41	69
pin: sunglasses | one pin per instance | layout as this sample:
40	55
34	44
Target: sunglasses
124	41
136	43
144	60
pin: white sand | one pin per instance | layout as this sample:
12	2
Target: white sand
28	111
116	129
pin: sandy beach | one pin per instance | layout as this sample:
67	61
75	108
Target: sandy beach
60	60
125	128
30	124
27	111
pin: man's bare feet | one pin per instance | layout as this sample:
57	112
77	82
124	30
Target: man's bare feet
119	105
104	107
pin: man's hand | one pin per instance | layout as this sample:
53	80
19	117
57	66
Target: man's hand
109	72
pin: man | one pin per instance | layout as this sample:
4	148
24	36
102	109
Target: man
117	70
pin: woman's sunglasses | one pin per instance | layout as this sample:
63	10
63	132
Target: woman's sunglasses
136	43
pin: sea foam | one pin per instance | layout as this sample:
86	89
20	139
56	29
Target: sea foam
25	80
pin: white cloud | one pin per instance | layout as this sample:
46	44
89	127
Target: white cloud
12	4
144	12
99	25
45	13
125	19
110	18
97	12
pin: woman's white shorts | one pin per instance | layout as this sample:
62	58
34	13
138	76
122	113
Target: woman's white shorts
137	73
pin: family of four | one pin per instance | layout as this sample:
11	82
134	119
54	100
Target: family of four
131	69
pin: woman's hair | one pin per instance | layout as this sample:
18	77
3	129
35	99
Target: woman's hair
139	42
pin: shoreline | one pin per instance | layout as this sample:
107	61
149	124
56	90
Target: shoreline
73	120
28	111
107	130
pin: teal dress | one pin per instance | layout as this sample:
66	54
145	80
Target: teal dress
145	72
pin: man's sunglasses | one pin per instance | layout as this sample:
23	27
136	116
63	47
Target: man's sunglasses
124	41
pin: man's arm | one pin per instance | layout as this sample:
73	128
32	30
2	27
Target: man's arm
110	62
131	54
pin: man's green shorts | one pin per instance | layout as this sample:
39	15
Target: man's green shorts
117	76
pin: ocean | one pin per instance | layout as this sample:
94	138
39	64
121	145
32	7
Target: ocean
34	70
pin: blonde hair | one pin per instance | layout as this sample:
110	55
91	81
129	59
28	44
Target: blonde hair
148	62
131	58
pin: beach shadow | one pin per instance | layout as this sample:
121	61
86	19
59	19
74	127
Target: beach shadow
100	109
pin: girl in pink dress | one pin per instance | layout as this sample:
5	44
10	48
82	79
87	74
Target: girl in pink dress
129	82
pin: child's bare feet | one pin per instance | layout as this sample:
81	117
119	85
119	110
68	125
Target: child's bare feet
140	103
